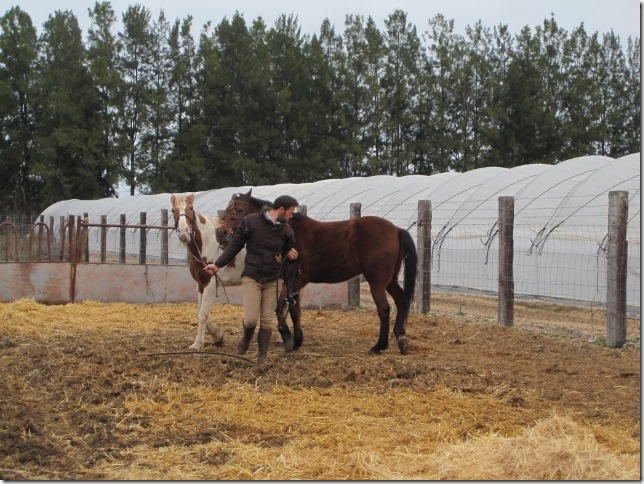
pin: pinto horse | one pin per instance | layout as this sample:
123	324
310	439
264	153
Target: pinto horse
197	233
332	252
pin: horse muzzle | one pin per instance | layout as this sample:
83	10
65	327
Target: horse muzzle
184	237
223	235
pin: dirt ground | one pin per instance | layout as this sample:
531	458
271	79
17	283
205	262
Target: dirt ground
63	366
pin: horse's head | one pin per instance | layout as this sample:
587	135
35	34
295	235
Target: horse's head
184	216
238	207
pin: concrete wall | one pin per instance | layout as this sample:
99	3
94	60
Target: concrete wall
51	282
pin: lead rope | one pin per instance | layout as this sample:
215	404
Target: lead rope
217	353
290	300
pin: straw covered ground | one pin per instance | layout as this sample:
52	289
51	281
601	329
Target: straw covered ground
85	396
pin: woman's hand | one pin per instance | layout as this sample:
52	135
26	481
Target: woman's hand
292	254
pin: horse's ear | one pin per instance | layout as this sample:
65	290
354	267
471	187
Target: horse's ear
190	198
249	192
173	198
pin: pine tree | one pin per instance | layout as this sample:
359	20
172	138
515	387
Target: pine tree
68	130
19	190
135	64
102	54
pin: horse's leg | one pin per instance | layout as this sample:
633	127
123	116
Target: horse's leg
382	305
199	339
205	302
282	326
295	310
401	315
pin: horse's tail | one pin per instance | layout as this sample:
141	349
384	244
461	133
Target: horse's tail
410	259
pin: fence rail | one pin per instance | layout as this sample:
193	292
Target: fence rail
20	242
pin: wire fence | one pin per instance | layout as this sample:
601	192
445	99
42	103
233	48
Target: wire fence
561	262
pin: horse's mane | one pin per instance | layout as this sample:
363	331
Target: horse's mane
261	203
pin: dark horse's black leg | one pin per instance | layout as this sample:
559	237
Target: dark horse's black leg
383	308
289	304
287	337
401	316
282	325
296	317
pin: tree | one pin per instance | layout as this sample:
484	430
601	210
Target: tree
401	93
135	65
474	87
328	136
373	138
156	137
495	134
524	119
482	82
353	97
633	87
102	53
68	131
289	81
580	95
616	99
19	189
552	40
239	112
445	55
180	170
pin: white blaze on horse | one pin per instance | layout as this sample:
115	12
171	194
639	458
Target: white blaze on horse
197	232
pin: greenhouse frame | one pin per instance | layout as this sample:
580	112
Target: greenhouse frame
560	222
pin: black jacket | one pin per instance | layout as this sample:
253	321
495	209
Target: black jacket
267	244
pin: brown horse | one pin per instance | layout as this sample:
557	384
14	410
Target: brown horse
331	252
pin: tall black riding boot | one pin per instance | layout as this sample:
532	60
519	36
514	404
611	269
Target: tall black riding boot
263	342
244	342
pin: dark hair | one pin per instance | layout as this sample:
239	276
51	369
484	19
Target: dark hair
284	201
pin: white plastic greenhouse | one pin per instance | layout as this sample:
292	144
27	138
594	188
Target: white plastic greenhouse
560	223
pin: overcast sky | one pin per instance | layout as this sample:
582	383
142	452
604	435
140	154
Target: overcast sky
622	16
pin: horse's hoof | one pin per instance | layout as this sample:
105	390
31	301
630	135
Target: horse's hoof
375	351
289	344
403	345
219	343
196	347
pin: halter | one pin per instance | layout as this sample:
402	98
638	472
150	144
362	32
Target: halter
230	212
192	221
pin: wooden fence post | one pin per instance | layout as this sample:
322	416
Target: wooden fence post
353	299
103	238
86	236
164	237
40	235
122	240
424	244
70	238
506	258
616	268
51	229
143	238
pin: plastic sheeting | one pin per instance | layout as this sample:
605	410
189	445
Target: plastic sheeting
561	220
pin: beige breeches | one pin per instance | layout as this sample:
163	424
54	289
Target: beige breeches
260	301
